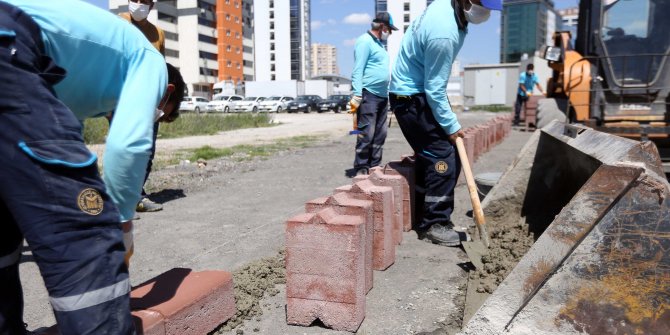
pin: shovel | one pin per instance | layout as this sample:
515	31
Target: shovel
474	249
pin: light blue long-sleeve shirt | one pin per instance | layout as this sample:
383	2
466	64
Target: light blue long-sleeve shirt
371	67
424	62
110	67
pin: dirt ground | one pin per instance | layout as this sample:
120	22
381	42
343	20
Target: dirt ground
230	216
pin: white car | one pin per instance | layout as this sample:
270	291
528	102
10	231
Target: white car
249	104
223	103
274	104
194	104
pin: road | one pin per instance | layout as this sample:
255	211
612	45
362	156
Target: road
233	213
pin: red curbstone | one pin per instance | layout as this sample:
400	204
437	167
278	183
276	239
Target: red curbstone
325	267
405	169
344	204
379	178
189	302
383	253
150	322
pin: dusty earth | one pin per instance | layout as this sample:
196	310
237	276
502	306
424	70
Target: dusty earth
230	216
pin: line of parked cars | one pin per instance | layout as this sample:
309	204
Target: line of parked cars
274	104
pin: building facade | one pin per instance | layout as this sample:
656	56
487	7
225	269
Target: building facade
248	40
569	19
229	28
205	39
403	13
324	60
281	39
526	26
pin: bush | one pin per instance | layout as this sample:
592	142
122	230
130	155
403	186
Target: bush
492	108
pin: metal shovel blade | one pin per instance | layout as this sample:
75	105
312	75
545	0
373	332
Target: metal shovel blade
475	250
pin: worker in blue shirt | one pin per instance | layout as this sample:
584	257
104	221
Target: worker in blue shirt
418	97
370	80
60	63
527	80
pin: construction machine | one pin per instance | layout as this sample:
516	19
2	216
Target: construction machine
615	77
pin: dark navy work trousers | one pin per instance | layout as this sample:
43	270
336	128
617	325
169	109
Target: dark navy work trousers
372	116
52	196
437	163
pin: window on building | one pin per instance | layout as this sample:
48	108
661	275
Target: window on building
406	6
272	25
272	4
208	55
237	34
165	17
272	14
237	50
405	29
171	36
227	17
228	48
228	32
229	64
406	18
273	77
206	39
237	19
239	66
272	46
171	53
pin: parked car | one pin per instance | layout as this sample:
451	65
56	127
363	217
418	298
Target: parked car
276	104
304	103
223	103
336	103
194	104
248	104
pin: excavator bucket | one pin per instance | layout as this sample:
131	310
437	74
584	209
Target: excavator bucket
597	207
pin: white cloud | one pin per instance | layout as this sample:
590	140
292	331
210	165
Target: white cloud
349	42
318	24
358	18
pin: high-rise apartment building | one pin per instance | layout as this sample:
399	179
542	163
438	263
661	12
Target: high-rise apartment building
403	13
192	43
324	60
569	18
526	26
229	40
281	39
248	39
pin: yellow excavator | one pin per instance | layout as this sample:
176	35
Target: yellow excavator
615	77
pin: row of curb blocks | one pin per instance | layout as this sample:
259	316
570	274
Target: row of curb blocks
482	138
331	252
333	248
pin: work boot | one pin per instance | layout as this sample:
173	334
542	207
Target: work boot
443	234
146	205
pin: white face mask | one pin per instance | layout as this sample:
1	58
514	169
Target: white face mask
138	11
385	35
476	14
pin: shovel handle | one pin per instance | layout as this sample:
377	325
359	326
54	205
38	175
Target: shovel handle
477	211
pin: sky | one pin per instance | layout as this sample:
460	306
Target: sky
340	22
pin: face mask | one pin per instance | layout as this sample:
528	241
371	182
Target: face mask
476	14
530	73
138	11
385	35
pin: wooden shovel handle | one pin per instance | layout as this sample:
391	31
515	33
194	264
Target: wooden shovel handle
477	211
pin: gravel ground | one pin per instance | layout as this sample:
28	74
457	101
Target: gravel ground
230	214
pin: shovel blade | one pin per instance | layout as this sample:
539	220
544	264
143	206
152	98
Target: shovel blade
475	250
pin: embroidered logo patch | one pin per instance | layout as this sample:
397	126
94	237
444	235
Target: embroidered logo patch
90	201
441	167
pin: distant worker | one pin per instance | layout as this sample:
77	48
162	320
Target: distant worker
418	96
60	63
527	80
138	12
370	80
